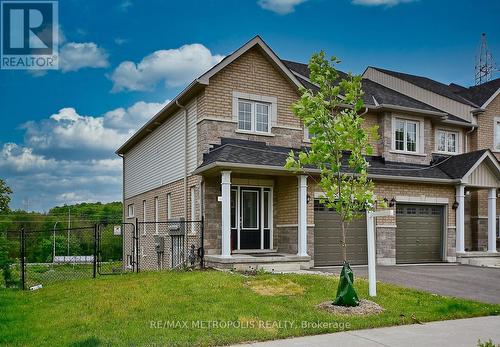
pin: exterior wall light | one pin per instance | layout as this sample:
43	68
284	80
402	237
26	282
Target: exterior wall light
392	203
455	205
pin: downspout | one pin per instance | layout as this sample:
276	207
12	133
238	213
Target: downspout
185	156
473	127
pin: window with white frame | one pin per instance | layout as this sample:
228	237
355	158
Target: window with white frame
144	215
156	215
254	116
130	211
169	206
406	135
193	203
497	134
447	141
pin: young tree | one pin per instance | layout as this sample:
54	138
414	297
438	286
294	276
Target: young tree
5	193
338	145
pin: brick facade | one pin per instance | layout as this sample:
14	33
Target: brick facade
253	73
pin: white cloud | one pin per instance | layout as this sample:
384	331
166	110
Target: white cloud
75	56
280	6
20	159
380	2
125	5
46	182
68	134
174	67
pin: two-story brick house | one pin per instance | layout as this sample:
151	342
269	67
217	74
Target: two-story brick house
218	149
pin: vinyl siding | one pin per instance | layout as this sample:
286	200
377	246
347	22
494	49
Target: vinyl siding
482	177
159	158
438	101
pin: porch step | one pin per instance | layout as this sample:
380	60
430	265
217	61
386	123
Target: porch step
275	262
479	259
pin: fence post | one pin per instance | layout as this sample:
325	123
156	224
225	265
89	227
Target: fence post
202	249
95	250
23	255
136	236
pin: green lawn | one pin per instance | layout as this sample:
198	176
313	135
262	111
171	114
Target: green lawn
134	309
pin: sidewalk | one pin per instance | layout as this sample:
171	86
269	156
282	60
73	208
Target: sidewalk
461	332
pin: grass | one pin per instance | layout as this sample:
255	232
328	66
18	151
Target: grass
210	308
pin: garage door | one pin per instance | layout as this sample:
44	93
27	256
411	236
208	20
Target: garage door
327	236
418	234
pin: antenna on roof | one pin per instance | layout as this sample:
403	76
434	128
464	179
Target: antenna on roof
485	65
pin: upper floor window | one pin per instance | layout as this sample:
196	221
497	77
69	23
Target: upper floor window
447	141
253	116
406	135
497	134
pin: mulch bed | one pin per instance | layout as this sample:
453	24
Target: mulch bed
365	307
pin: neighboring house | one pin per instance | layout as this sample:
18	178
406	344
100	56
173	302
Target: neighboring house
218	149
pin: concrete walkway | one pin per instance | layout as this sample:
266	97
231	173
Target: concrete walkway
456	333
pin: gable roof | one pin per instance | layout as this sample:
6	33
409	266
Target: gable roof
197	85
428	84
480	94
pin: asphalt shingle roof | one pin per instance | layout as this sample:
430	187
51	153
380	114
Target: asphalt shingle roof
481	93
258	153
372	90
429	84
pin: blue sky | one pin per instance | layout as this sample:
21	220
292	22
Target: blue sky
122	60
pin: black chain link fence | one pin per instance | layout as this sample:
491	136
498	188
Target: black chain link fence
169	245
33	258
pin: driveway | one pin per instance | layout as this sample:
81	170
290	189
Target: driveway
469	282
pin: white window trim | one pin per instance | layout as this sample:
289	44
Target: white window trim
144	216
458	143
496	140
419	138
271	101
130	207
156	207
193	209
169	206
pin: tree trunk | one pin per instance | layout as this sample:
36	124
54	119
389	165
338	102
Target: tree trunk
344	245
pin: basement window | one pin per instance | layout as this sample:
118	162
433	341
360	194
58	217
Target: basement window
130	211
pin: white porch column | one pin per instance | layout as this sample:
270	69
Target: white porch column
226	213
460	219
492	220
302	214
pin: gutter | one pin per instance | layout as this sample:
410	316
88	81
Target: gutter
185	155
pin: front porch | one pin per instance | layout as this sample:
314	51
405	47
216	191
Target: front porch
476	214
258	220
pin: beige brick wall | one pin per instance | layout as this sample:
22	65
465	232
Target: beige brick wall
250	73
483	137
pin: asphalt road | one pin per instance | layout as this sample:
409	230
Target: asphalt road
470	282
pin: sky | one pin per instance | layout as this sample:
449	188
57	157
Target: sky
122	60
